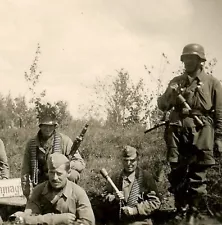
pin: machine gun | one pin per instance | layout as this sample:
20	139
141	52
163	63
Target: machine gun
78	142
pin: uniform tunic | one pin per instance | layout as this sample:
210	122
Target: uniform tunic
137	188
190	145
46	206
44	149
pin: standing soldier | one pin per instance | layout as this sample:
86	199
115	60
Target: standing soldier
47	141
4	167
194	131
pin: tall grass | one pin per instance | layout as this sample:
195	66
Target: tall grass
101	149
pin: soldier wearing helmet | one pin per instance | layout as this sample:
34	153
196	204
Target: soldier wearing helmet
194	132
47	141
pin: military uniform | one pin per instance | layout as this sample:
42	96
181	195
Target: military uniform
48	206
140	194
58	200
43	149
4	167
190	144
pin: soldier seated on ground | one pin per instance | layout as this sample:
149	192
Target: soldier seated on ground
137	198
57	201
47	141
4	167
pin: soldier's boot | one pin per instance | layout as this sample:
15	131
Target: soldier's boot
192	214
191	217
181	213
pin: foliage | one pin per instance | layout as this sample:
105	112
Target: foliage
41	106
124	102
32	78
128	106
57	110
15	112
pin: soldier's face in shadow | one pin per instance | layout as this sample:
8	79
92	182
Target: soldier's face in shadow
130	164
47	130
58	176
191	63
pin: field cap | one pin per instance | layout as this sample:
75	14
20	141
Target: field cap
129	152
56	159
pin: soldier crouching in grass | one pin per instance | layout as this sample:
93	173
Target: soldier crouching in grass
47	141
137	197
58	200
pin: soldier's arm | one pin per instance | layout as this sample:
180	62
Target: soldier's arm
167	100
84	212
151	201
47	219
218	110
4	167
26	171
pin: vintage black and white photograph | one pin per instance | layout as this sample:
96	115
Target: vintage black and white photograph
111	112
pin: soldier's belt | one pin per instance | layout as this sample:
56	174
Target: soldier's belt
193	112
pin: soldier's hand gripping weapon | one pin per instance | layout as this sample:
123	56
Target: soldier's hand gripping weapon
107	177
78	141
186	105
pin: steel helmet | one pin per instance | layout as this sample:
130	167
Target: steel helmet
193	49
47	114
48	120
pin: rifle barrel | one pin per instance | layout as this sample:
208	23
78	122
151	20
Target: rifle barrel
156	126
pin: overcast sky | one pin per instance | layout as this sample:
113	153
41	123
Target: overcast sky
84	39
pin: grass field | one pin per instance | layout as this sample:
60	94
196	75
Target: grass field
101	149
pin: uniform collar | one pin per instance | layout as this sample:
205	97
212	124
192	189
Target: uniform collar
136	173
47	190
131	177
200	76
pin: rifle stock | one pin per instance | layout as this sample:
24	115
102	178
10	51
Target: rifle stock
78	141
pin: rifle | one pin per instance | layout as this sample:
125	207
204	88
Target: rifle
183	101
156	126
78	141
165	121
187	107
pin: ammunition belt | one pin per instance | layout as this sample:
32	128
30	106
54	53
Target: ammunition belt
34	158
